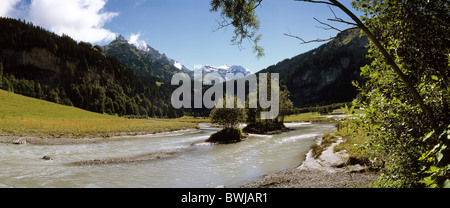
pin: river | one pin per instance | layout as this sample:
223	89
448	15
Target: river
194	164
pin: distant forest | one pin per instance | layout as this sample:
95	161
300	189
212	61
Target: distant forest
37	63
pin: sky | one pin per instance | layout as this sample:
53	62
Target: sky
185	30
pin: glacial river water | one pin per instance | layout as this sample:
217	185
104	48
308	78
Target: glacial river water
195	163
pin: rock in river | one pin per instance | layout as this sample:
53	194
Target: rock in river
47	158
20	141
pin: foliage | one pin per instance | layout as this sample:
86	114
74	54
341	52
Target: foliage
406	94
357	144
227	117
226	136
315	77
326	141
286	105
77	74
255	124
263	127
320	109
415	33
242	15
437	170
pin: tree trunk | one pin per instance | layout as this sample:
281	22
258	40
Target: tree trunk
390	61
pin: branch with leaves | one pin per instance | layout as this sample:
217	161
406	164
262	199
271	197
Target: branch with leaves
243	18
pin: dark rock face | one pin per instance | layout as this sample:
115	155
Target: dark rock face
324	75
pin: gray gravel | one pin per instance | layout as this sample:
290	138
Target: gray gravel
298	178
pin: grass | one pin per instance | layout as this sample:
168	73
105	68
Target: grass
308	117
24	116
355	142
189	119
327	140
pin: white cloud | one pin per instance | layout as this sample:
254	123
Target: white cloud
140	44
7	7
83	20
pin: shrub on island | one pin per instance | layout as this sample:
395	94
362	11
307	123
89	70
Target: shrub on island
226	136
263	127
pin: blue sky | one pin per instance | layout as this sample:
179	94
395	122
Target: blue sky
182	29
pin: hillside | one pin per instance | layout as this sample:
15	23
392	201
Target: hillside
324	75
147	62
43	65
25	116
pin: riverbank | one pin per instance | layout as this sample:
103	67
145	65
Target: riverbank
86	140
329	170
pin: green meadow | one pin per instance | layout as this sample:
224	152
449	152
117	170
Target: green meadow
24	116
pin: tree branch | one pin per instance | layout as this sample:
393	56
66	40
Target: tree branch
221	25
329	26
390	61
342	21
318	40
317	2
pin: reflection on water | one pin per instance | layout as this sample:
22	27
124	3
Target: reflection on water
197	164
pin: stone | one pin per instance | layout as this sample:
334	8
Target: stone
20	141
47	158
356	168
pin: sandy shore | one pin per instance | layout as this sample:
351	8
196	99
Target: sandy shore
69	141
327	171
137	158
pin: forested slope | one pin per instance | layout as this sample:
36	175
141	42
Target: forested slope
41	64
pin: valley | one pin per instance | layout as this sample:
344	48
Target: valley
82	106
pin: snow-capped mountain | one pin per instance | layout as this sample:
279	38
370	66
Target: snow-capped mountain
224	70
143	59
156	55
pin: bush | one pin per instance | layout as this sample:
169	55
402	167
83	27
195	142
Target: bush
327	140
226	136
263	127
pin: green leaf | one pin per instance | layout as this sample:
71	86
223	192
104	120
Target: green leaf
428	136
446	184
434	77
433	169
428	181
439	156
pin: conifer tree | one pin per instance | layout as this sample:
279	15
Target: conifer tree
1	74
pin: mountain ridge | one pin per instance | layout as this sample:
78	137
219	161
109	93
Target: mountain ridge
224	70
324	75
145	60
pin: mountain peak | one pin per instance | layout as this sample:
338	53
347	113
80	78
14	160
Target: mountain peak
224	70
144	59
224	67
119	40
